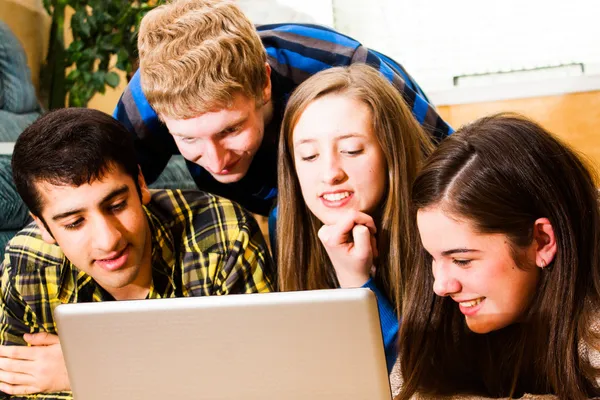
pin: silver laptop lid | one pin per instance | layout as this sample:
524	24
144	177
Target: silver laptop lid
323	344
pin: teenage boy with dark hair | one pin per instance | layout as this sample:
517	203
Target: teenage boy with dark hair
100	234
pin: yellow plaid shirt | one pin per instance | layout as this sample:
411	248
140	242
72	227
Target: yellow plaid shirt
201	245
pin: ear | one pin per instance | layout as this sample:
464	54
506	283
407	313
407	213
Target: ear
544	241
144	191
46	235
266	94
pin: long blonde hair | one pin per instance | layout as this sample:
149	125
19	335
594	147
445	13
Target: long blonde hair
302	261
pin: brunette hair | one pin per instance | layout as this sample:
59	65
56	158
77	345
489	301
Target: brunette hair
500	174
70	147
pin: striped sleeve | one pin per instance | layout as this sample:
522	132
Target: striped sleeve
297	51
154	145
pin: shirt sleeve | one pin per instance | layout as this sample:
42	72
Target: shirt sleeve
15	314
423	111
389	325
247	266
16	319
153	143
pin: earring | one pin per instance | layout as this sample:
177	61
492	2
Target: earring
542	264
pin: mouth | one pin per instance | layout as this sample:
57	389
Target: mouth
227	169
471	307
336	199
114	261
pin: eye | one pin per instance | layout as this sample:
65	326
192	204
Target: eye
309	158
353	152
187	139
461	262
74	225
229	131
118	206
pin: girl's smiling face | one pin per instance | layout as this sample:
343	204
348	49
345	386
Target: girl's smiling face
338	160
478	271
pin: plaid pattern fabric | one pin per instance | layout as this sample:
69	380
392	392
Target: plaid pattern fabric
201	245
294	52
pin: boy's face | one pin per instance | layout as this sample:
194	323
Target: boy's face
224	141
101	227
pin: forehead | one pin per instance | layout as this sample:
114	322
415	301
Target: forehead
212	122
442	229
56	198
331	116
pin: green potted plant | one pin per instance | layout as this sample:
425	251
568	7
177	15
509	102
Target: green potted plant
104	40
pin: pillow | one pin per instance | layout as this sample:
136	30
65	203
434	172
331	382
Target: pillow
17	94
13	212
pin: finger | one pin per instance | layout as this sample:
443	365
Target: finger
17	390
15	378
18	352
41	339
374	248
349	220
362	242
360	218
15	365
335	235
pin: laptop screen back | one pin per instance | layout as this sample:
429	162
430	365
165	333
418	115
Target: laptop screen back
323	344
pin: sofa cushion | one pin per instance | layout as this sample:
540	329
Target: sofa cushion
17	94
13	212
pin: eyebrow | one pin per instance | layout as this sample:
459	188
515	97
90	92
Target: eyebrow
458	251
117	192
337	138
240	121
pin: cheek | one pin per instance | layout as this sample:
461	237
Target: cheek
187	150
306	179
375	180
248	141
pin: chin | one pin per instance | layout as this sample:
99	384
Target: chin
483	327
229	178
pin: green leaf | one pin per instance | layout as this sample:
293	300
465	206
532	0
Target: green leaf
112	79
76	45
91	19
74	75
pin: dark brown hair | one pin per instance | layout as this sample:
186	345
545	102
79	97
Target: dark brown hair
501	173
302	261
70	147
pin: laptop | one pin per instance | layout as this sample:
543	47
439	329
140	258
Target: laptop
322	344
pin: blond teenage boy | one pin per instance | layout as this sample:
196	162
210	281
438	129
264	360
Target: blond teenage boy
212	87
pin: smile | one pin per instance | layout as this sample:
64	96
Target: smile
336	196
470	308
115	261
471	303
228	168
336	199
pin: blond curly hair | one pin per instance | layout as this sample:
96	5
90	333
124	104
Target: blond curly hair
196	55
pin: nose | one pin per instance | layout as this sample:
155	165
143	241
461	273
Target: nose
215	156
333	173
107	234
444	283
